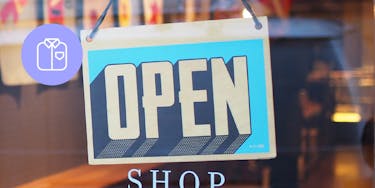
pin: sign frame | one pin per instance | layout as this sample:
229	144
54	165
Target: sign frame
175	34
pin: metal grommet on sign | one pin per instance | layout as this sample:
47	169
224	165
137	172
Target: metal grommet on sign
89	39
92	34
247	5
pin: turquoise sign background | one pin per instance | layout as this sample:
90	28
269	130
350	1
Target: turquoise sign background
258	141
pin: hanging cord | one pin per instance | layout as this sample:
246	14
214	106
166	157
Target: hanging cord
99	22
247	5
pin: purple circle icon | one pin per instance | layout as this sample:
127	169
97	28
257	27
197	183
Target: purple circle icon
52	54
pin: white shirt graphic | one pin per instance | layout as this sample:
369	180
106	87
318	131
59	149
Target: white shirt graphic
52	55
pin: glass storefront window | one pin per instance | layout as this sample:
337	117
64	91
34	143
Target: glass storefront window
322	57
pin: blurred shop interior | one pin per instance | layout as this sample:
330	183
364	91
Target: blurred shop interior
322	56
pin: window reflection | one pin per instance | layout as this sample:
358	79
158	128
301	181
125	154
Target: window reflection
323	80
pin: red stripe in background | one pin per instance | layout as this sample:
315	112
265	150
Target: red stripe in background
155	11
287	4
9	10
93	17
55	11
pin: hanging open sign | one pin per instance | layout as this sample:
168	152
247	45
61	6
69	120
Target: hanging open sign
179	92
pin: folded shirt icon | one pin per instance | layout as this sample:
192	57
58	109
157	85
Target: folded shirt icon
52	55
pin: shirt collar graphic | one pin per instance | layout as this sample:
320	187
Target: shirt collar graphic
51	42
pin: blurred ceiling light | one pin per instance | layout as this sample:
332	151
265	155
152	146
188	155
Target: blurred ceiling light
347	113
366	82
346	117
246	14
